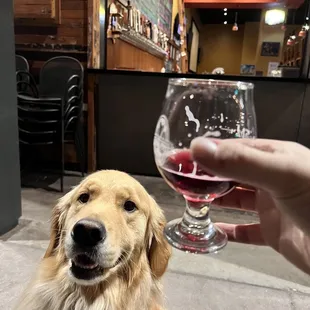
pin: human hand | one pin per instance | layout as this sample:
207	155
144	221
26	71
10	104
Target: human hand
279	172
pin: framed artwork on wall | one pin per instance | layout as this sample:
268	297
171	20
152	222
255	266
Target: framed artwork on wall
270	49
194	48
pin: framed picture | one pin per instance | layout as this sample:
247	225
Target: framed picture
194	46
247	69
271	49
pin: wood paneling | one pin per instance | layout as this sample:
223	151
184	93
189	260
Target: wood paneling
71	30
124	56
93	34
46	11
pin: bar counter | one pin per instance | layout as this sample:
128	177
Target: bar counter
125	106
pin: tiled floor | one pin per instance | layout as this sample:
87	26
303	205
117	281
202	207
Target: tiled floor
239	277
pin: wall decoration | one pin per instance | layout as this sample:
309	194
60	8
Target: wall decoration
194	46
247	69
270	49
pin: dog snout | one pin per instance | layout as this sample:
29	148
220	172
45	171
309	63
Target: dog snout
88	233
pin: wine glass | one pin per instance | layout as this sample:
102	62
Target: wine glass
199	108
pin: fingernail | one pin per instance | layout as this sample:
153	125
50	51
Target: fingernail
204	144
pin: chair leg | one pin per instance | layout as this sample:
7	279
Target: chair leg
62	172
80	153
62	167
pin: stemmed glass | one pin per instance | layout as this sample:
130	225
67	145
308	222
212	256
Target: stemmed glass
199	108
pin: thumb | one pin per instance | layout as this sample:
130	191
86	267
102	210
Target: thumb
242	160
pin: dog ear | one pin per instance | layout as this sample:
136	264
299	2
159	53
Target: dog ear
59	215
159	250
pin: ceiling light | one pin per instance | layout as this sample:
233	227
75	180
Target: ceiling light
235	26
302	33
307	18
225	9
225	22
225	13
275	17
290	42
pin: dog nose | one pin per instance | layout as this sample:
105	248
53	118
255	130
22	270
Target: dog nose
88	232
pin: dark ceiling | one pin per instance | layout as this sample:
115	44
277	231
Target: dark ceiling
216	16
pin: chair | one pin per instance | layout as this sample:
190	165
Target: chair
22	73
58	75
21	63
60	94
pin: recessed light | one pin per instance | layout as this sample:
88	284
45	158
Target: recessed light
225	22
307	18
225	9
225	13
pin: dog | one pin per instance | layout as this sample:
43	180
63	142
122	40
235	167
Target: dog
106	252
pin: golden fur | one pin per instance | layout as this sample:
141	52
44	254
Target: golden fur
134	284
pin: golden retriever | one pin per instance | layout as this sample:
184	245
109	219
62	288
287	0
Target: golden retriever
107	250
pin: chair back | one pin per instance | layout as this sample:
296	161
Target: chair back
21	63
58	74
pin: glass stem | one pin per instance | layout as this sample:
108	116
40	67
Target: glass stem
196	219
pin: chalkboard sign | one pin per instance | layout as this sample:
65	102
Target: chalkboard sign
157	11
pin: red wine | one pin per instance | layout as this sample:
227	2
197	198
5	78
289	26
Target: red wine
187	178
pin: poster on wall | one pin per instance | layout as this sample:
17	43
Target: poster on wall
247	69
193	54
272	67
270	49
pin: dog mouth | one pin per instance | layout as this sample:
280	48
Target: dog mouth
83	261
84	267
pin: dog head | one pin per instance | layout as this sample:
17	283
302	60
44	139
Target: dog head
106	223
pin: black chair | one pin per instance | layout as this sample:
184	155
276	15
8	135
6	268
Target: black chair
23	76
60	94
21	63
58	75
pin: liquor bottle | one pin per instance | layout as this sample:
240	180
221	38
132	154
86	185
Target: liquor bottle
148	29
130	17
155	34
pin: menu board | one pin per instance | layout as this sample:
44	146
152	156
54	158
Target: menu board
157	11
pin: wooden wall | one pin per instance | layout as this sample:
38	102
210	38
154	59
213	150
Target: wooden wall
38	41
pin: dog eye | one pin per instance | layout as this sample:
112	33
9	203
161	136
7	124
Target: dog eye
83	198
130	206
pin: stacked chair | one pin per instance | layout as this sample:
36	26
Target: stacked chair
50	114
22	73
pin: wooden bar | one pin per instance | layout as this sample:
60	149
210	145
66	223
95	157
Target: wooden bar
122	55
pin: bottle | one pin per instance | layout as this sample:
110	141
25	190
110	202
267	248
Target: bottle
151	30
138	27
129	10
155	33
148	29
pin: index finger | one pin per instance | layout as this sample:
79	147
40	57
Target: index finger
239	198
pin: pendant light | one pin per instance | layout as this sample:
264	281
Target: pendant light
304	29
292	37
275	17
235	26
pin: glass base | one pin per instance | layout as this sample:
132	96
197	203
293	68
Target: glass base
206	241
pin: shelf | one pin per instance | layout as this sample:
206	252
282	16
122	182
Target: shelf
142	43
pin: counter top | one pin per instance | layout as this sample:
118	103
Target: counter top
200	76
